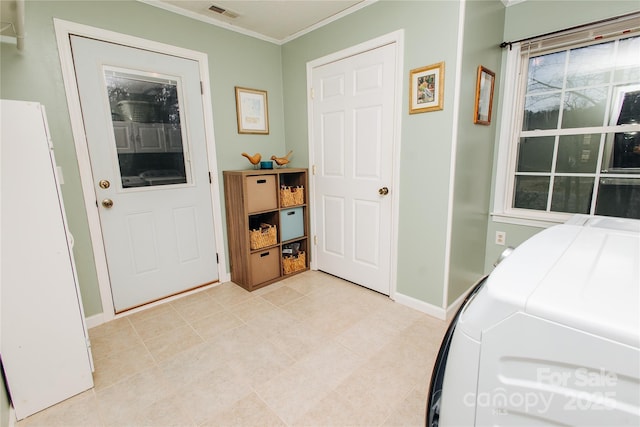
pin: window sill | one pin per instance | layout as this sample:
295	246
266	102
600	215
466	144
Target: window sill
528	220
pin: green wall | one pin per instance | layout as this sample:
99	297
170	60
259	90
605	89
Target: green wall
431	29
483	24
234	59
529	19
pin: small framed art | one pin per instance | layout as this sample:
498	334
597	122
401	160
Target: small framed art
426	88
252	111
484	96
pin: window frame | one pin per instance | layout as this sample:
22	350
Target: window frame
510	131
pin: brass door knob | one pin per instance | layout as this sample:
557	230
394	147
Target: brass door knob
104	184
383	191
107	203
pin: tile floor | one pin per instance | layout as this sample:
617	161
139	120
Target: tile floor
311	350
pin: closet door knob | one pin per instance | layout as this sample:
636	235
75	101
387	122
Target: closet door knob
383	191
107	203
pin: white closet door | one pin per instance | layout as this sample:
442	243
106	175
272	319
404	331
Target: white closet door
43	342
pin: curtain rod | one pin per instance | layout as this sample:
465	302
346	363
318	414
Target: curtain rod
577	27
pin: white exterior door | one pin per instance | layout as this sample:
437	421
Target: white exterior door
144	124
353	111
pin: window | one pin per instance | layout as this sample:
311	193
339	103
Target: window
570	143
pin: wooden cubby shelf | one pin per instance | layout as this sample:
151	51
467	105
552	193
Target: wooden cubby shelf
254	201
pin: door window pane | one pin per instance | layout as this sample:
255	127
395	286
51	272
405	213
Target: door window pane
145	113
531	192
578	153
535	154
572	194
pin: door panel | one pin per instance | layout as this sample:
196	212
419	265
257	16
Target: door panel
158	234
353	147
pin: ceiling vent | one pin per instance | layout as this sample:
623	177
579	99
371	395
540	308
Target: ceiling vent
222	11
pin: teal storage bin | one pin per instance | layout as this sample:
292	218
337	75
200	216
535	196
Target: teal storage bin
291	224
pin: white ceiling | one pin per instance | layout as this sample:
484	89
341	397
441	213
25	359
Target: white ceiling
276	21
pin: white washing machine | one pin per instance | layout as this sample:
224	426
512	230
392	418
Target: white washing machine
550	337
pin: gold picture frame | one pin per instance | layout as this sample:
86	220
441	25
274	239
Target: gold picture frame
252	111
485	83
426	88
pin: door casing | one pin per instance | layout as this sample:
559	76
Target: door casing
396	37
63	30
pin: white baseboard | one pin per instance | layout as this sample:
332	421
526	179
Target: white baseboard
95	320
453	308
430	309
425	307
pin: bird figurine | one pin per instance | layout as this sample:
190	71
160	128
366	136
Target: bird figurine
255	159
282	161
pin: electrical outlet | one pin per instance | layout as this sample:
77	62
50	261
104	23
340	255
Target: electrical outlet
501	238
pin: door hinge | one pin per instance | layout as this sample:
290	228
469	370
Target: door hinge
201	88
217	259
313	169
312	93
315	239
210	181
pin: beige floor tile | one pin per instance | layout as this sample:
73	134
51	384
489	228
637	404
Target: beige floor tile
300	387
247	412
229	294
158	310
270	288
113	327
298	340
116	367
282	296
411	412
77	411
398	316
312	282
335	411
211	326
252	308
165	413
260	361
310	350
189	365
165	319
374	391
368	336
212	393
124	338
271	322
196	306
122	403
287	333
167	345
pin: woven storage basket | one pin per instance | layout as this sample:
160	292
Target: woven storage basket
265	236
291	264
291	196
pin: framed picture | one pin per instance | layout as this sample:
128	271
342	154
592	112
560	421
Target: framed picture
484	96
426	88
252	111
